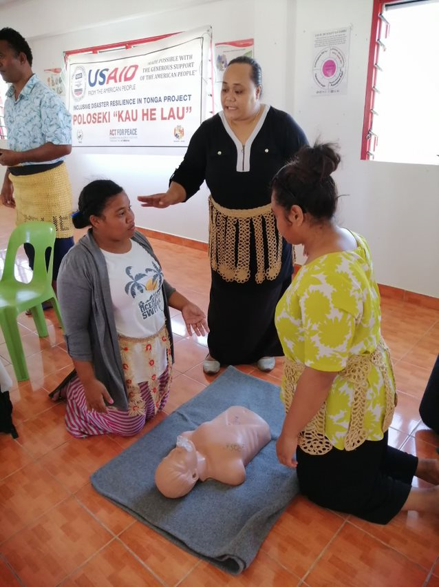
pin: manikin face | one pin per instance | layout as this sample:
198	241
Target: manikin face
185	460
239	95
178	472
116	223
11	65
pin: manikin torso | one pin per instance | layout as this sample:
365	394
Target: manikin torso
219	449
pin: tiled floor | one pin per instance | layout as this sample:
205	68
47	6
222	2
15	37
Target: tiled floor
55	530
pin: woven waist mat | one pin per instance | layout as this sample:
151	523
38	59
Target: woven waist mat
45	197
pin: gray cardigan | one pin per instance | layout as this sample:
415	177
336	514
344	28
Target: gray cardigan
87	312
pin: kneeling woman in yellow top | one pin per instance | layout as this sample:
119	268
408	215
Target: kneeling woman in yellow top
338	385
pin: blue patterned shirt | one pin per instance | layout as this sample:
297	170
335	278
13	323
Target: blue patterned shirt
38	116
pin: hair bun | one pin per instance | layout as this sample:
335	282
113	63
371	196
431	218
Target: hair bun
79	221
317	163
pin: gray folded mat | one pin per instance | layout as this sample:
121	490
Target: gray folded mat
221	524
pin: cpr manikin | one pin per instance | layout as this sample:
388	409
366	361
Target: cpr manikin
219	449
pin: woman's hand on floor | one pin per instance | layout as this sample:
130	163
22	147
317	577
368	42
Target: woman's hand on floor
96	395
286	450
195	319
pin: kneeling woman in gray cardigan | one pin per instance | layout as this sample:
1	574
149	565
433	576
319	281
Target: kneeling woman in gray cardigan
115	307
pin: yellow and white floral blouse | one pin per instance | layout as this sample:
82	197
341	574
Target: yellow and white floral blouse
329	320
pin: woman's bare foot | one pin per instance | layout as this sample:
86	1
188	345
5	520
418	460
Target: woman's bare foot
428	470
423	500
59	394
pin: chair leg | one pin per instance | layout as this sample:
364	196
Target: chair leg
15	346
40	321
57	311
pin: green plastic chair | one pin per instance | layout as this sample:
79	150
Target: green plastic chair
16	297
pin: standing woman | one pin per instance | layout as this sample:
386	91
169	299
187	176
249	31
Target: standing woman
338	385
115	307
237	152
429	408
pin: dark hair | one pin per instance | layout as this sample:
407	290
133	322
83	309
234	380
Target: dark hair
256	74
306	181
93	199
17	42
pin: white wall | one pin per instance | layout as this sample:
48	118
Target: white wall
84	23
395	206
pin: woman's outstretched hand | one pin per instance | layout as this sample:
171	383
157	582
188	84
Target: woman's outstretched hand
195	319
175	194
158	200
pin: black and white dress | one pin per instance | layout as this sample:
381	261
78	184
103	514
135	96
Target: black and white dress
251	263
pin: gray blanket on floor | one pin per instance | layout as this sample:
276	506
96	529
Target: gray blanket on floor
221	524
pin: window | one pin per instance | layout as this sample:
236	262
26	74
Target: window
3	90
401	121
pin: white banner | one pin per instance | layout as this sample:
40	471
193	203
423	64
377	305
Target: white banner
152	95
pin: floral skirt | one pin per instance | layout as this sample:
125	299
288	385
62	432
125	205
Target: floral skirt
145	399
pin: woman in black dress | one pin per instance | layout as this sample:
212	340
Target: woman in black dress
429	408
237	152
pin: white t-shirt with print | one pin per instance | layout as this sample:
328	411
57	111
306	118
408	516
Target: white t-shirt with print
136	293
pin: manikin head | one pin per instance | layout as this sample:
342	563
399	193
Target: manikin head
178	472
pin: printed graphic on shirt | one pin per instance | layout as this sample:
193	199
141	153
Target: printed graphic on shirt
149	281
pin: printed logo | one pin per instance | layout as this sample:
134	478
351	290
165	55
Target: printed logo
102	77
179	132
150	282
79	83
79	135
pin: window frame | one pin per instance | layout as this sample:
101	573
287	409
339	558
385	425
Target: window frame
378	25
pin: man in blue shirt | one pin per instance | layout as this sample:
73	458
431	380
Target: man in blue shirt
38	126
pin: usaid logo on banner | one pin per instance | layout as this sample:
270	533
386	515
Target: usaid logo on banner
102	77
79	83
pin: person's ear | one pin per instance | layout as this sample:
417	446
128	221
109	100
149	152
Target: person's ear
95	221
296	215
258	92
